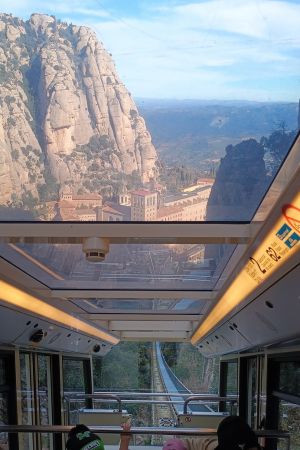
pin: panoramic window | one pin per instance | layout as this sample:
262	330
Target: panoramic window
144	111
152	367
287	397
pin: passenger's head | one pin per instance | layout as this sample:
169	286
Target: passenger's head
233	430
78	429
174	444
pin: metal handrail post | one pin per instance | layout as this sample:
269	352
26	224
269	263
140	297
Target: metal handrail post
113	397
205	398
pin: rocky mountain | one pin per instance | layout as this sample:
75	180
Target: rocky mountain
240	182
244	175
65	115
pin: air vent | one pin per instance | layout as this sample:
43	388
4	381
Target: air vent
54	338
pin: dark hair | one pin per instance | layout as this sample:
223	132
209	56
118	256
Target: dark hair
234	430
80	428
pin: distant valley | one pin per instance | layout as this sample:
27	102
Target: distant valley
195	132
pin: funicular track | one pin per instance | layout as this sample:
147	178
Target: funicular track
173	384
162	414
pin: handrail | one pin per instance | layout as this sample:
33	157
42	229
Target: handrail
73	397
163	402
164	394
112	397
207	398
271	434
134	430
117	398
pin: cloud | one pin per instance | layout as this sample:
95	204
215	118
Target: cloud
204	49
264	19
67	9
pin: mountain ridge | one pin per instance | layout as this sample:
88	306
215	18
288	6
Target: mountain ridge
65	115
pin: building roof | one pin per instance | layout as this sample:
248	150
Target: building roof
65	204
65	215
185	195
123	209
177	197
84	211
168	210
87	197
111	210
142	192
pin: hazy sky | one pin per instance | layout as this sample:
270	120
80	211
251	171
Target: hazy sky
213	49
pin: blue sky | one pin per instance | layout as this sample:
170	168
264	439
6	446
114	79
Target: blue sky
209	49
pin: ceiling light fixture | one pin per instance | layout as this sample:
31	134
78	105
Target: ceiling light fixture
281	242
16	297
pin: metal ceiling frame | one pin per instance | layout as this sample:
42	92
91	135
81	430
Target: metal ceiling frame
129	232
137	294
137	325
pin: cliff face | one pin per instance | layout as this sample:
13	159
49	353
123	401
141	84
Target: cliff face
65	116
240	182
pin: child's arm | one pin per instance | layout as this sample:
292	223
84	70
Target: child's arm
125	437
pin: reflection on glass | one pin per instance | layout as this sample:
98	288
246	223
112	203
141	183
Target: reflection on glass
289	420
155	266
27	402
152	306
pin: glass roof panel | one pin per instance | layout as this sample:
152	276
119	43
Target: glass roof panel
92	131
146	306
133	266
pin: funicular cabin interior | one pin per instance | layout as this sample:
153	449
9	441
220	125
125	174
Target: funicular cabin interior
211	264
52	326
